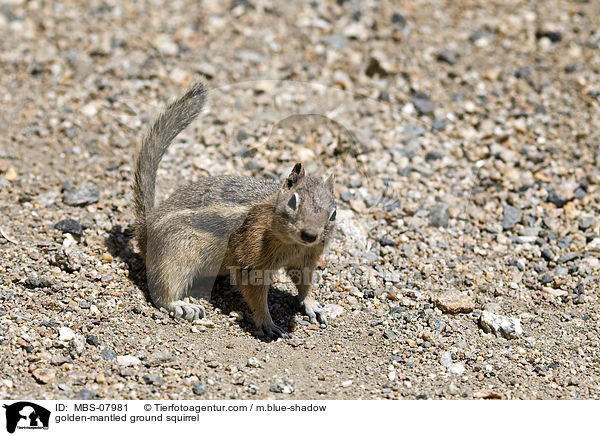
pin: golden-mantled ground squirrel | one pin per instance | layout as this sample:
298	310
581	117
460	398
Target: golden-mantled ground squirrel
228	225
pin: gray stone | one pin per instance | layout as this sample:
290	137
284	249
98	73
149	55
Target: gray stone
561	271
552	35
335	40
412	130
85	394
436	323
69	226
439	215
438	124
283	385
398	19
250	56
199	388
567	258
108	354
390	334
77	346
415	224
510	217
67	259
81	197
501	326
586	222
529	231
557	199
502	153
153	379
448	56
423	106
412	148
547	254
36	282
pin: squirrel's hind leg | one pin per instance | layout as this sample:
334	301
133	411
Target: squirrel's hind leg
169	278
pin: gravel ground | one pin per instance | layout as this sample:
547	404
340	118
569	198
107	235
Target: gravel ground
464	140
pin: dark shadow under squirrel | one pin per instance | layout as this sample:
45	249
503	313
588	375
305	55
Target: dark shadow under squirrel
228	226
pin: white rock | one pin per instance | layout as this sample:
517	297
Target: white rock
356	30
446	359
26	336
592	262
253	362
453	389
354	231
89	110
347	383
8	383
128	360
65	334
342	79
180	76
456	368
165	45
305	154
509	328
594	245
333	310
69	241
554	292
205	322
77	346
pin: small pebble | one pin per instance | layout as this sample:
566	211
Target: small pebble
81	197
499	325
108	354
69	226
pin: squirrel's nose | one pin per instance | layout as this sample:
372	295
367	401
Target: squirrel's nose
309	235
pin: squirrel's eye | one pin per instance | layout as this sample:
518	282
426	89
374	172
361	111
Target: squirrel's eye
332	216
293	202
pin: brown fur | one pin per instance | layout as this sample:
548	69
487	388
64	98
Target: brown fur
227	225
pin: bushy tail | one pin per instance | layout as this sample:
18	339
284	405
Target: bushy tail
176	117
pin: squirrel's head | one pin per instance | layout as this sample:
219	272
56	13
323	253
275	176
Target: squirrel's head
305	209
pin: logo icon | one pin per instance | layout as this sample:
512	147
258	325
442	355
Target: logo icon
26	415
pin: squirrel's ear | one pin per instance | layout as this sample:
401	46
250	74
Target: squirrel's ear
295	176
330	181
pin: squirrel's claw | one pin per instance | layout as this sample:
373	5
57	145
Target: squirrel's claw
314	311
272	331
188	311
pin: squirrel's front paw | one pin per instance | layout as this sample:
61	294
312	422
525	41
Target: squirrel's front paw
185	310
272	331
316	314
